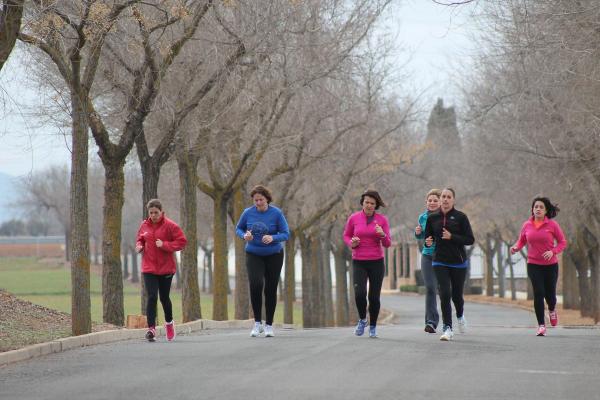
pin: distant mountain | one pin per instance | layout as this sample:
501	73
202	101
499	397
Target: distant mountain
8	197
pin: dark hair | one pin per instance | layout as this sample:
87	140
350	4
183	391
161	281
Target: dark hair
374	194
262	190
450	190
551	209
154	203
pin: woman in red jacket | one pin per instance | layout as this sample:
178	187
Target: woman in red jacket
544	240
158	239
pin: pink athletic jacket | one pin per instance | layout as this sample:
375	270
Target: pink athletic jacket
549	236
370	247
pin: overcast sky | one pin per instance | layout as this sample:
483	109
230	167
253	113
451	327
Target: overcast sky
438	37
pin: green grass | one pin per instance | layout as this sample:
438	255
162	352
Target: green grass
49	284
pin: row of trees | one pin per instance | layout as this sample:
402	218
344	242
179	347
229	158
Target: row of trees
218	96
531	125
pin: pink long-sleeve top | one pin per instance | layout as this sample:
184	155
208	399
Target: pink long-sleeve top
548	236
371	244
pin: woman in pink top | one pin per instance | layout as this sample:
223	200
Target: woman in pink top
367	233
544	240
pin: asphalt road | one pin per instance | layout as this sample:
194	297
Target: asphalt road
498	358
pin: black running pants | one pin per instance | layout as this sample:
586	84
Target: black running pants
373	272
264	272
158	285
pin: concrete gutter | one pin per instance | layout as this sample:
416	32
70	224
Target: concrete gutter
90	339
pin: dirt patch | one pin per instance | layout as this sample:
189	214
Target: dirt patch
565	317
23	323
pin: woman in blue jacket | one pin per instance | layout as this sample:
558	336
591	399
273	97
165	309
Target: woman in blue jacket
264	228
432	316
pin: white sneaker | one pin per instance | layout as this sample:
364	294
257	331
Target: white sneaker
269	331
257	330
462	324
447	335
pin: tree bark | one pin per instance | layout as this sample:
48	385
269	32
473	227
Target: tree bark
489	266
112	280
135	273
242	296
501	270
327	280
342	316
81	318
289	295
308	318
221	274
570	286
10	25
190	293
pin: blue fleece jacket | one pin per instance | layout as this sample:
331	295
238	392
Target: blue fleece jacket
260	223
427	251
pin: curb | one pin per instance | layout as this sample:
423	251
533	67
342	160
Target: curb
117	335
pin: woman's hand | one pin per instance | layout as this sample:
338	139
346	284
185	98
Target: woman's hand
513	250
139	248
418	230
548	255
355	241
379	230
446	235
159	243
248	236
429	241
266	239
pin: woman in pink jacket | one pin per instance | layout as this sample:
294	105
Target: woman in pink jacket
158	239
367	233
544	240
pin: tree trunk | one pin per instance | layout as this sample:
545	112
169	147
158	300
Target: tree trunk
112	280
570	286
135	273
81	318
308	317
221	274
501	270
150	177
289	296
316	281
341	286
125	263
513	283
327	280
352	310
489	266
190	293
595	283
11	13
242	295
209	266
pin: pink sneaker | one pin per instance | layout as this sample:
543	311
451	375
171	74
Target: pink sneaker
541	330
151	334
553	318
170	330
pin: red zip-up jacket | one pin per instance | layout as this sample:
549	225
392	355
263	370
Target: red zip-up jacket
155	260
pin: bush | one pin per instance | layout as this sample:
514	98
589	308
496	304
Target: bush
409	288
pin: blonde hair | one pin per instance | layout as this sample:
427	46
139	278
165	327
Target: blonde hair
434	192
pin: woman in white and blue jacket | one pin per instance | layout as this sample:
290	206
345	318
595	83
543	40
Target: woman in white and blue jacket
432	316
264	228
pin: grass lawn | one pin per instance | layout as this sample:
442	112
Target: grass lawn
48	283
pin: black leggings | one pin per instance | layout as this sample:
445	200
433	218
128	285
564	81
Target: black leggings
451	282
543	279
264	271
373	271
158	285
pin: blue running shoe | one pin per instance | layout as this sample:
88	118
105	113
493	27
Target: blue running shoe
372	331
360	327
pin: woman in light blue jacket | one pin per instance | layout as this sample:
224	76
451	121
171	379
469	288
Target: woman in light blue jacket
432	316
